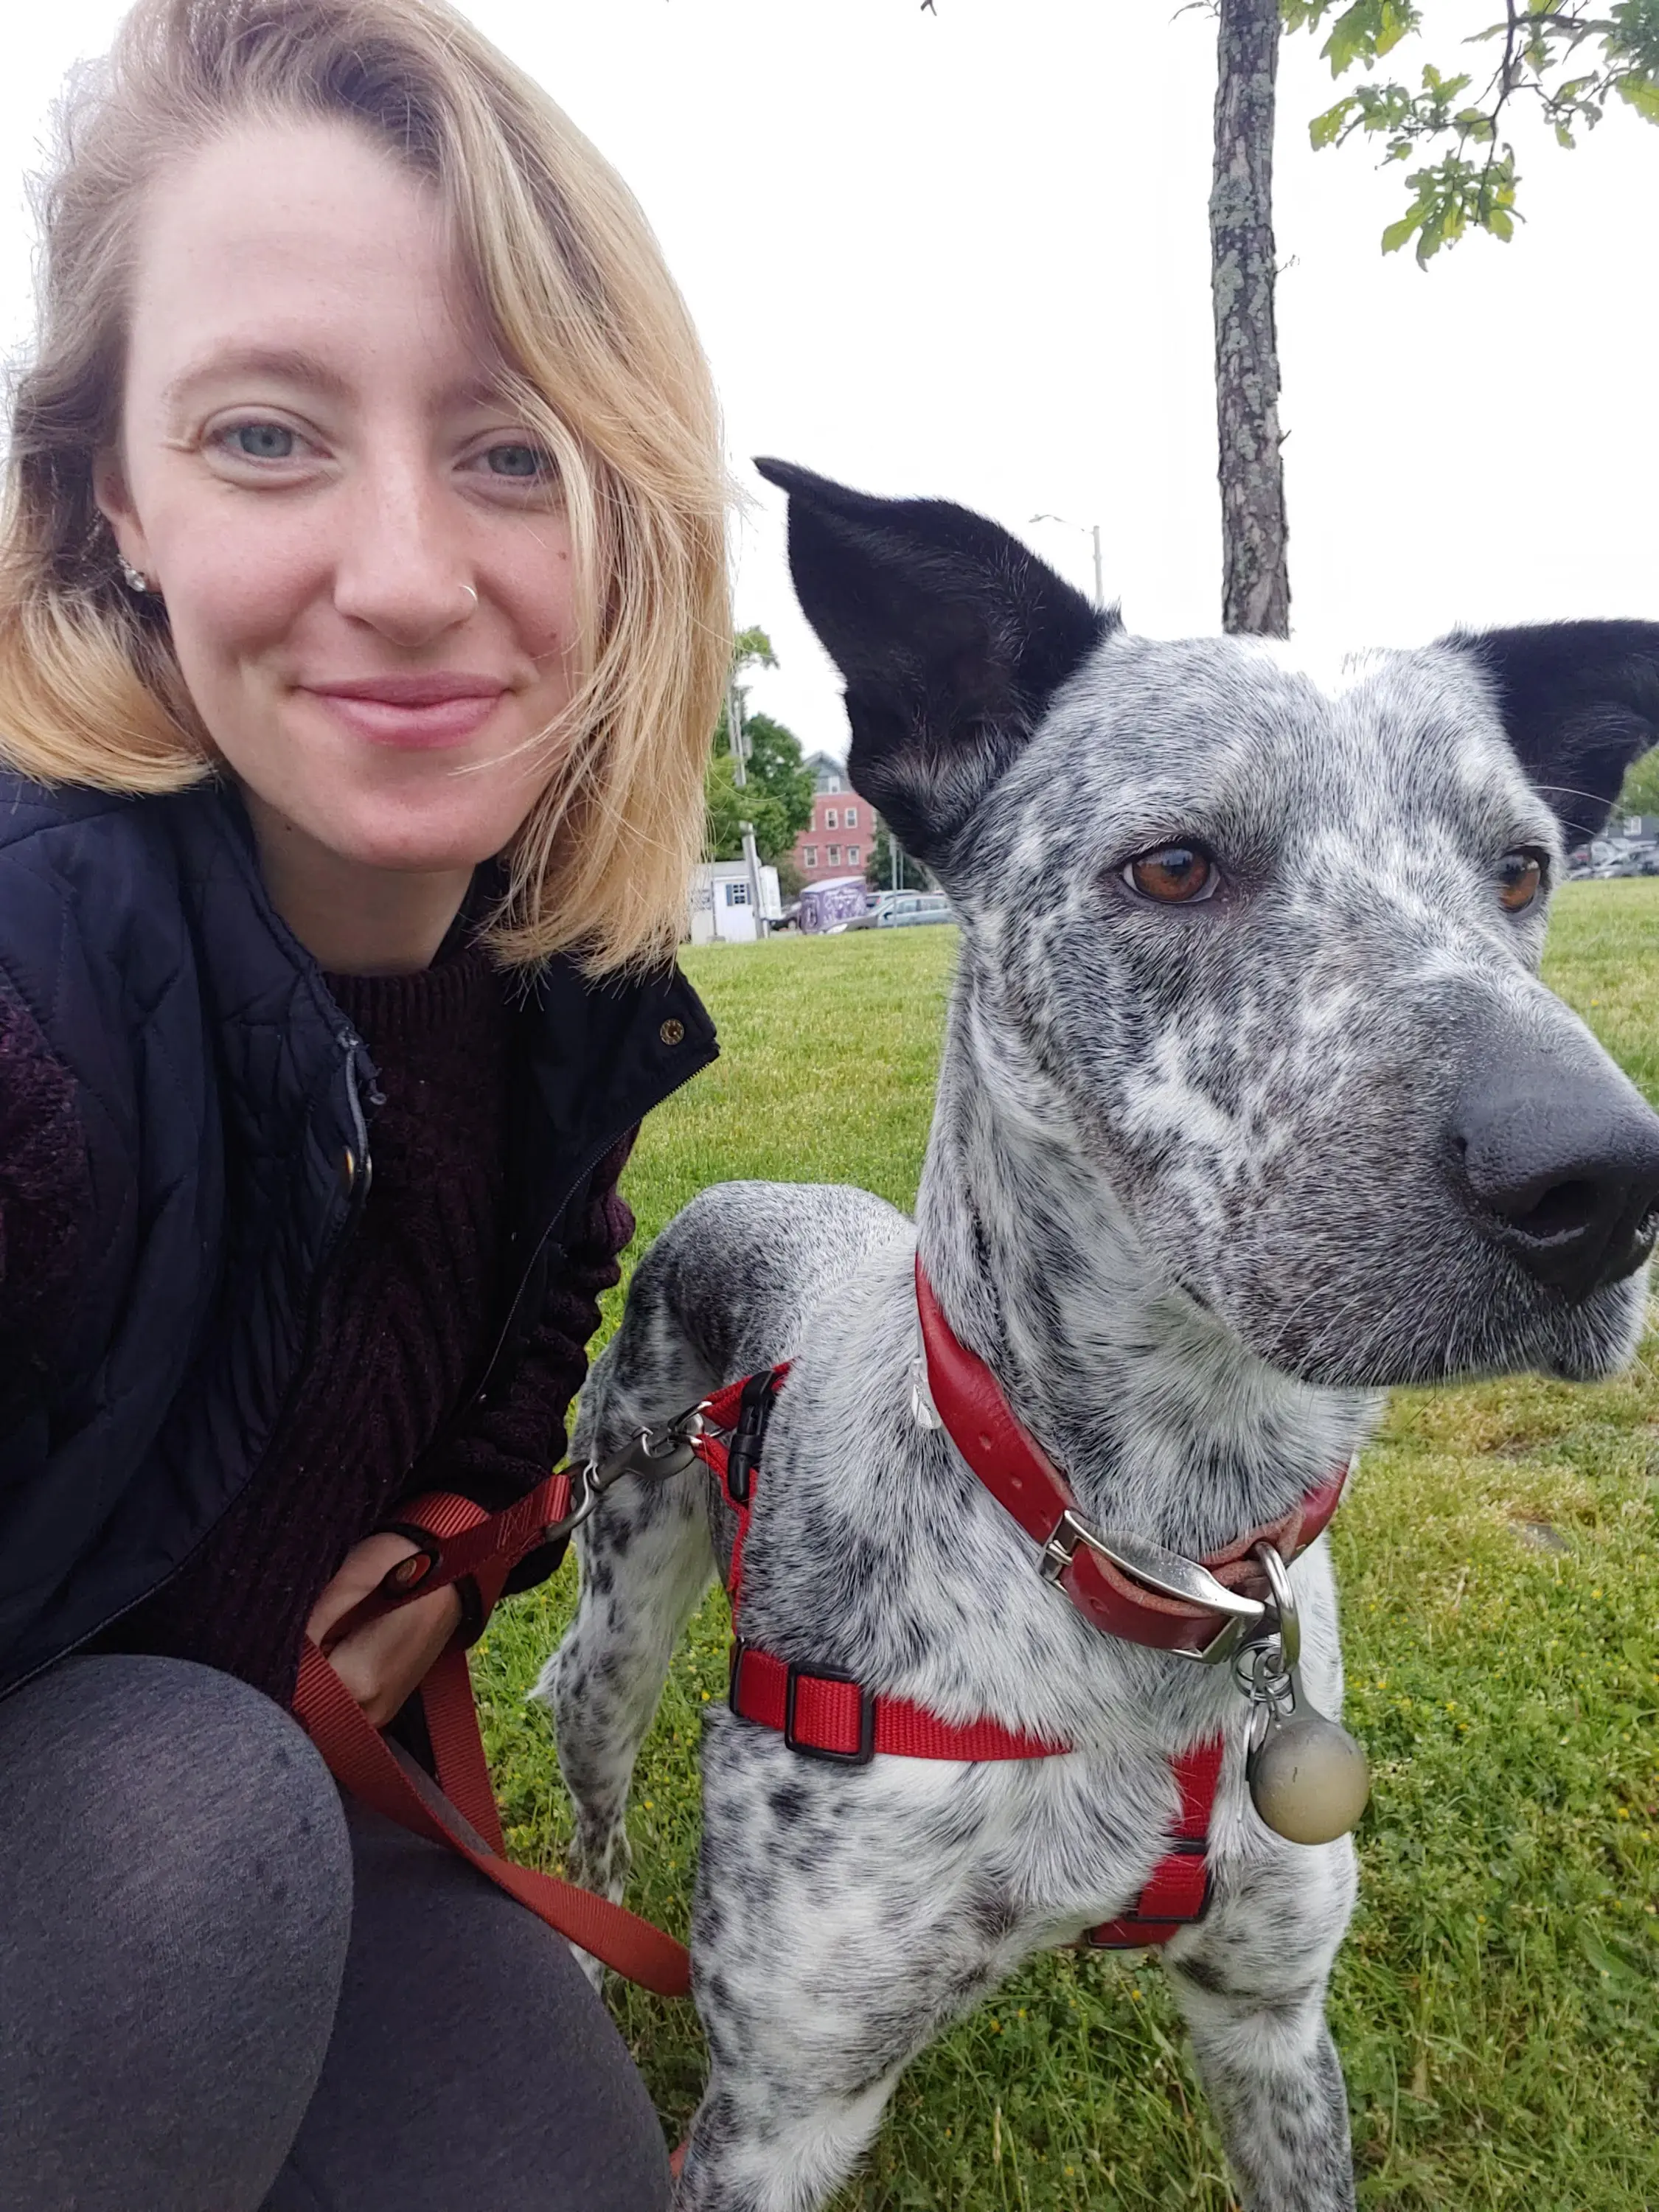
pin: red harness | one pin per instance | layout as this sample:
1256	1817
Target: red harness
825	1714
821	1713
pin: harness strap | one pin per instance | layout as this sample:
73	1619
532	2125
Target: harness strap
824	1714
1177	1891
458	1538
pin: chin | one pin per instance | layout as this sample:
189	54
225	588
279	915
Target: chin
436	837
1583	1343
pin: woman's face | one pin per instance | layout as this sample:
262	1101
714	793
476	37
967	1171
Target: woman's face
363	556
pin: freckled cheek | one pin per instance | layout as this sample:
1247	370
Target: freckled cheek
537	592
232	595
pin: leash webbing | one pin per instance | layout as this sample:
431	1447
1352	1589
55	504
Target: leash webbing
458	1539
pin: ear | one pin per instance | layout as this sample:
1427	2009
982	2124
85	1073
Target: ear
114	503
1580	702
952	638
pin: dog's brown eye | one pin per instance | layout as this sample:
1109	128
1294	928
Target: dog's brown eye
1175	875
1520	879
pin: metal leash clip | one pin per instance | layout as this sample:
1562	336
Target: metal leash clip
661	1453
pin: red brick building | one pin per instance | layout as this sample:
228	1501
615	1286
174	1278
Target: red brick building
837	840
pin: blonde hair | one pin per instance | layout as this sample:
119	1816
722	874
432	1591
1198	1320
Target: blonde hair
601	355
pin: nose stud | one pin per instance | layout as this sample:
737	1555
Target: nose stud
470	594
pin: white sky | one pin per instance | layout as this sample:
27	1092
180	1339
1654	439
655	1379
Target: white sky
965	255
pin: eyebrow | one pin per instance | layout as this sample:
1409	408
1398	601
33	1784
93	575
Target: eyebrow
294	365
287	364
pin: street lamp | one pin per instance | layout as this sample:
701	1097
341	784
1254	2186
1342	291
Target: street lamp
1088	530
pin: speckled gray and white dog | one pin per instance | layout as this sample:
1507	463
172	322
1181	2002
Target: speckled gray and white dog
1251	1104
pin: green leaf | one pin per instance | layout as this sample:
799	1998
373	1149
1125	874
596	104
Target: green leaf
1606	1961
1396	21
1325	130
1401	233
1641	93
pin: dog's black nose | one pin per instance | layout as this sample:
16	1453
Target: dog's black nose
1563	1169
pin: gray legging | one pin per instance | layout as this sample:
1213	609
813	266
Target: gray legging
220	1992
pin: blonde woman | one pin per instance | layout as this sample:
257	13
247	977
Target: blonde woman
362	625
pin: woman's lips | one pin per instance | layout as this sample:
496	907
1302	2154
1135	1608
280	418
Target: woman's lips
411	714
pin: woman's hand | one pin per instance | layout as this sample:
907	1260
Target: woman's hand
382	1661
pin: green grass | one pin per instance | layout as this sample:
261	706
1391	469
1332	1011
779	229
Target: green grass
1496	2004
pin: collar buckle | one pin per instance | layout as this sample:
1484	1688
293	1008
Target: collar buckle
1171	1574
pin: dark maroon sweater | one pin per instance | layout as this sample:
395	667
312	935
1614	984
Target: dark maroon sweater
404	1324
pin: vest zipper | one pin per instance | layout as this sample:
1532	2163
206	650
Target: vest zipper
476	1398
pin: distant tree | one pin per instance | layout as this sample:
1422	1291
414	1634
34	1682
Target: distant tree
777	797
790	882
878	869
1640	794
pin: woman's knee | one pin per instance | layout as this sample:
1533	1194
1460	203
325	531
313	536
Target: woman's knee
181	1875
162	1781
518	2078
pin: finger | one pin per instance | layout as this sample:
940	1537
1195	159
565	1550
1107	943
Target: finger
365	1567
383	1661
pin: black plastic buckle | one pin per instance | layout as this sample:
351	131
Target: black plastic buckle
733	1668
743	1453
866	1744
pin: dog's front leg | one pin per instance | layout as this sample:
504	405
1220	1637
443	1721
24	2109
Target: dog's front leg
1251	1982
833	1936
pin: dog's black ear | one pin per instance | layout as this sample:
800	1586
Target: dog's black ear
951	637
1580	702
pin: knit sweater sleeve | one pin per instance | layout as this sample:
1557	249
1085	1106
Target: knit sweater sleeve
507	1447
46	1198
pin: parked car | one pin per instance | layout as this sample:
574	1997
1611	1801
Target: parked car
904	910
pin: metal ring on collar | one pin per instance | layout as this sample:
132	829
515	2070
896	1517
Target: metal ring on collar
1289	1621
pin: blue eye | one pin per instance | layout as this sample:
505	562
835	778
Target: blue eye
261	441
524	464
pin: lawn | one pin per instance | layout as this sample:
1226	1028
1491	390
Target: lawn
1496	2004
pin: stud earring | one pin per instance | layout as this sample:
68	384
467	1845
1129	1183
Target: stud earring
134	579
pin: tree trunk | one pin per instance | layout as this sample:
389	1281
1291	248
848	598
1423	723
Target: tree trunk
1256	591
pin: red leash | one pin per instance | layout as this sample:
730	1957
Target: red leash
458	1539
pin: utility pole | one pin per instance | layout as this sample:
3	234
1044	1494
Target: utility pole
740	777
1092	531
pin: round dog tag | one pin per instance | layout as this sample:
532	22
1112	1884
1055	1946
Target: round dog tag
1308	1778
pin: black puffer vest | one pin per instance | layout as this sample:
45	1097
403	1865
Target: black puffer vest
225	1105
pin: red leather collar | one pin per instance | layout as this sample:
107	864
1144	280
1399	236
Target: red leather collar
1111	1594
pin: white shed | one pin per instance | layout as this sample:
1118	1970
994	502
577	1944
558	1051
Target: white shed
722	902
